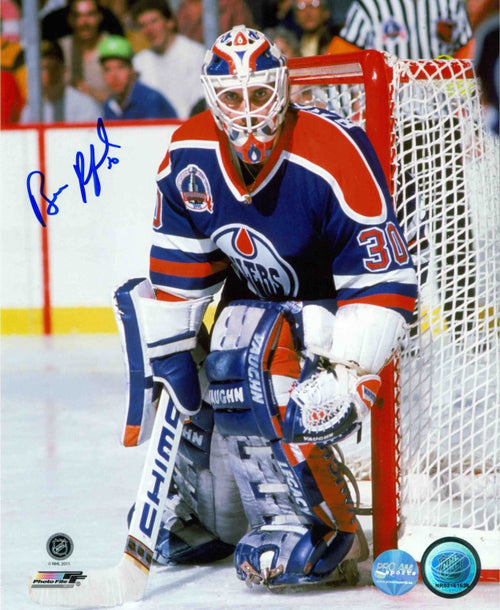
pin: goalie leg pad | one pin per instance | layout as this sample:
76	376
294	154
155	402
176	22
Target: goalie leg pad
245	340
277	555
182	539
204	513
203	518
196	438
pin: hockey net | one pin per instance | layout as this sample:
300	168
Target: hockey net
432	451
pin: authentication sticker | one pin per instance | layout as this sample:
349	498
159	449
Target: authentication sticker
450	567
394	572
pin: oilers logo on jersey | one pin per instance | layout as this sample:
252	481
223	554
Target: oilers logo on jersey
255	259
195	189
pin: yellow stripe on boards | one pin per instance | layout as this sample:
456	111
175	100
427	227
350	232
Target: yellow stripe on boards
68	320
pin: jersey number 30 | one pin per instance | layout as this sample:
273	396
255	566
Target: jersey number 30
383	246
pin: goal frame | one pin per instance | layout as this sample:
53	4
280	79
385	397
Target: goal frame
373	71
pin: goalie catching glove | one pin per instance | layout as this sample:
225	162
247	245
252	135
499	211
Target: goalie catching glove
339	382
329	403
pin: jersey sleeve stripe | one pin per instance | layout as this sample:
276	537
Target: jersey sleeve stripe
161	295
392	301
402	276
187	293
406	290
190	269
183	286
184	244
185	256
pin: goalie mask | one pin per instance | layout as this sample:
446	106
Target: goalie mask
245	78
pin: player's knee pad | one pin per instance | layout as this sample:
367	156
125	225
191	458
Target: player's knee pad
281	554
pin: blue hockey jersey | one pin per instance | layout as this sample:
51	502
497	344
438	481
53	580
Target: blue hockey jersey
317	223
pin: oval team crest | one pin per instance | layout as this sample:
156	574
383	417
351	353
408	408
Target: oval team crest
194	187
256	260
392	30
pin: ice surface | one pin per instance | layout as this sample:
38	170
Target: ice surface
64	470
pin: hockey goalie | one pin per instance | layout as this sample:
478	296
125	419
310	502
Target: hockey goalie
282	213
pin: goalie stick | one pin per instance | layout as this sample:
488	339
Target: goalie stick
128	580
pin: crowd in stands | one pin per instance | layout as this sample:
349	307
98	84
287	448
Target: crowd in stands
140	59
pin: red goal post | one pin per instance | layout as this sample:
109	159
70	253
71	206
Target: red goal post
433	452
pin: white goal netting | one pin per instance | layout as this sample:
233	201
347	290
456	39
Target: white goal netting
444	174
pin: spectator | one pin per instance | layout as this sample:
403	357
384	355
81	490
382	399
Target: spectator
338	11
274	13
372	24
286	41
231	12
263	12
271	13
60	102
12	101
288	44
480	10
13	61
313	16
80	49
56	23
172	63
10	12
130	99
121	9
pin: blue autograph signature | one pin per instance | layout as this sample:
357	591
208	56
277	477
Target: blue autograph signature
85	176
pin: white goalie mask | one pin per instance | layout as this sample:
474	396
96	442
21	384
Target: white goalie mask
246	60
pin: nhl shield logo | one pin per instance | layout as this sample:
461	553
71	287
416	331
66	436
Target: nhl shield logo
256	260
194	188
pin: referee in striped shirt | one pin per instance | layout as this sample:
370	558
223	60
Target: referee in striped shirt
409	29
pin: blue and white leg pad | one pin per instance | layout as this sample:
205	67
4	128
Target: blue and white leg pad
287	544
241	389
204	518
279	554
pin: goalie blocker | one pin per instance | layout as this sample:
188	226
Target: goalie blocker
157	338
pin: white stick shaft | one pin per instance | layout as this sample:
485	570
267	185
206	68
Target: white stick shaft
155	481
128	580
